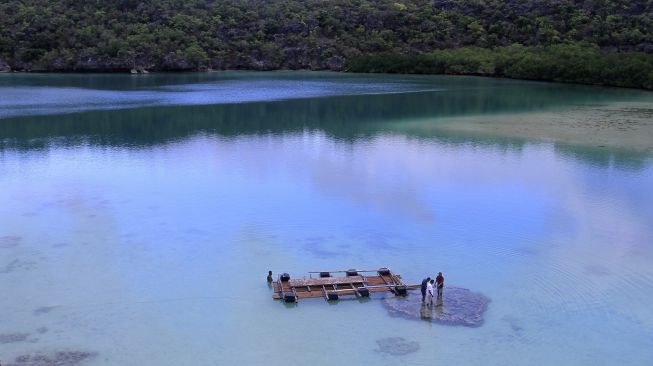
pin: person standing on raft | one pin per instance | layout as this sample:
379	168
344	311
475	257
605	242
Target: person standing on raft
423	288
440	283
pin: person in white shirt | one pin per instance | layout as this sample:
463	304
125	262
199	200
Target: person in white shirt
429	291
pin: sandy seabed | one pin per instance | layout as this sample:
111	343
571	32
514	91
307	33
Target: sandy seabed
623	126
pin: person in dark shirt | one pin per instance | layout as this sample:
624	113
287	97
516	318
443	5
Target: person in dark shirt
440	283
269	276
423	288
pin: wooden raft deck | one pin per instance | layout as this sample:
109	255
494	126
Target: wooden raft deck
331	285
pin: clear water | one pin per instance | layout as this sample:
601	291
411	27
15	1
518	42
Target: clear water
140	215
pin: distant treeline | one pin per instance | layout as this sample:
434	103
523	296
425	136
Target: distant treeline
575	63
119	35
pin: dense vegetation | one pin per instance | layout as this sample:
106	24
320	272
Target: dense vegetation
576	63
57	35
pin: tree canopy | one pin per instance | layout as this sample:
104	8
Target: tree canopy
63	35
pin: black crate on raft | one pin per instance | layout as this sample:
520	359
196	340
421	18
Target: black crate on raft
352	273
384	271
363	292
289	298
401	290
332	295
325	274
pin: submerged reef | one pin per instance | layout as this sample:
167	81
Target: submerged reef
17	264
13	337
397	346
67	358
9	241
457	307
43	310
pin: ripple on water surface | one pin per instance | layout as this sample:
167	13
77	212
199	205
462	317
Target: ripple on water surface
558	237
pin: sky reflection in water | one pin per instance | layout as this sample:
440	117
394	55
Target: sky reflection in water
128	223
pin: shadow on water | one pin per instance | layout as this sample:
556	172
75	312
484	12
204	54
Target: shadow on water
290	305
346	118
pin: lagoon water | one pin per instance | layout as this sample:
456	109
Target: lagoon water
139	216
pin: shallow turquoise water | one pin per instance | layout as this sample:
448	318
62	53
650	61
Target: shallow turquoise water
140	215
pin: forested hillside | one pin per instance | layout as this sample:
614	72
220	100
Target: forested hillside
115	35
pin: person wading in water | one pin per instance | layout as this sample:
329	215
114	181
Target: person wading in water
429	292
440	283
423	288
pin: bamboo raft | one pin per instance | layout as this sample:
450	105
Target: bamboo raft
352	282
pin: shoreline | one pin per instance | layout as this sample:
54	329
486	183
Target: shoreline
211	71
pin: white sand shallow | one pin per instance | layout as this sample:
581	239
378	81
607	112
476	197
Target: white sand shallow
627	126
